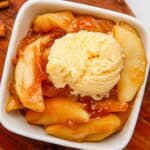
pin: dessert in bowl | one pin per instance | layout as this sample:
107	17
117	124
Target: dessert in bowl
75	75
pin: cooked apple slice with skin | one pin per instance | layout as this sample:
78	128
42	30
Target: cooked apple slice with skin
135	61
94	130
28	74
58	110
46	22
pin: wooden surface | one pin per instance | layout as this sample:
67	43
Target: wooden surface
9	141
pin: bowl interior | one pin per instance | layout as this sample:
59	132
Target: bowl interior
15	122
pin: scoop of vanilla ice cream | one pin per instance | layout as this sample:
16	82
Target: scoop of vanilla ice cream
89	62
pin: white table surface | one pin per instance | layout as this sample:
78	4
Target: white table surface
141	9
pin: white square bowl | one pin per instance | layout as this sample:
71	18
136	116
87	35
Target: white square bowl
16	123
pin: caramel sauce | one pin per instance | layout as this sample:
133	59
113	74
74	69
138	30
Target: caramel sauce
90	106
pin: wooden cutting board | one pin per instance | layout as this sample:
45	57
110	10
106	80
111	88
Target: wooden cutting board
10	141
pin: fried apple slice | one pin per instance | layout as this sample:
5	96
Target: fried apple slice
111	106
105	25
132	75
87	23
46	22
94	130
28	74
13	104
58	110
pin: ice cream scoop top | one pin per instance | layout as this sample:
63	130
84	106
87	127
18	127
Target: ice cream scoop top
88	62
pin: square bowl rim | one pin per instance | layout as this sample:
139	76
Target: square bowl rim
25	6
